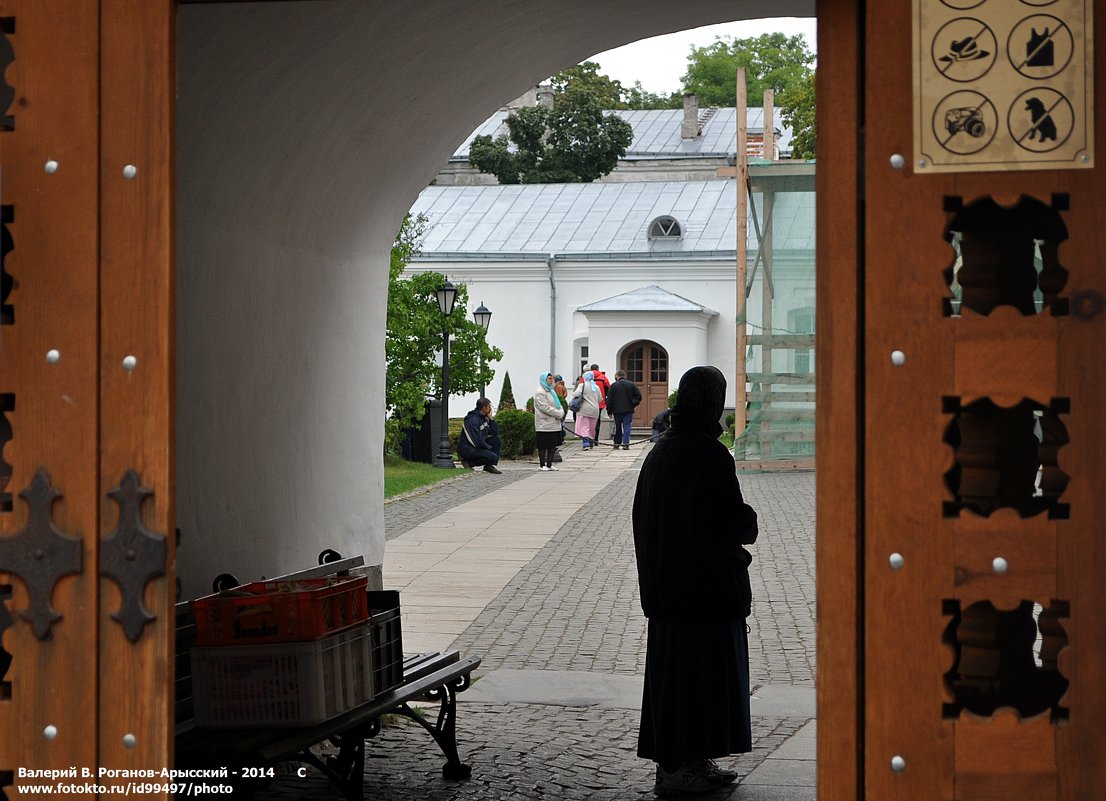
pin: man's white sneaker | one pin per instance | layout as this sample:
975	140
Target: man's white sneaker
543	468
552	467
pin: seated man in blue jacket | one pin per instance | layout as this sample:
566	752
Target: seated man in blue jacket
479	440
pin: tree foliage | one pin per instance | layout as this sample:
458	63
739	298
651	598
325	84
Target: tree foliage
571	143
771	61
608	92
798	114
586	79
638	97
414	336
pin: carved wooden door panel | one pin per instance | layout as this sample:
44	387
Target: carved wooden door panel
984	480
86	586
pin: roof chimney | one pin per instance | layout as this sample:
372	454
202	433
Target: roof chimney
527	98
690	127
545	95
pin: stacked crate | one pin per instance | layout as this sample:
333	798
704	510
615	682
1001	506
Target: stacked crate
283	653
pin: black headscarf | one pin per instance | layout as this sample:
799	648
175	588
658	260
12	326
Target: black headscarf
700	400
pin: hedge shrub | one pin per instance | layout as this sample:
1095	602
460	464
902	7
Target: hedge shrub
516	433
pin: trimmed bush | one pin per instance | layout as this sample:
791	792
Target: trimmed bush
530	405
506	395
672	399
516	432
455	426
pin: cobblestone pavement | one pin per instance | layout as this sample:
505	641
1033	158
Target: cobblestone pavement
574	607
523	752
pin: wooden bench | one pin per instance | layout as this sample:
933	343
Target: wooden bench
436	677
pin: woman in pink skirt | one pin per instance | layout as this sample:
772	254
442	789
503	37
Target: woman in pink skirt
587	418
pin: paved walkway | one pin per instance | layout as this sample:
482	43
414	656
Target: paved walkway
535	573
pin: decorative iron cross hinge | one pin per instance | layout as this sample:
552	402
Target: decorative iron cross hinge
40	554
132	555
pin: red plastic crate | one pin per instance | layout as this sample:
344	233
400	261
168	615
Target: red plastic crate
280	611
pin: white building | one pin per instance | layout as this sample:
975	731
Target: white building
637	276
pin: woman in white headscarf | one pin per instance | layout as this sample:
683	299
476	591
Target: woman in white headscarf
548	414
587	416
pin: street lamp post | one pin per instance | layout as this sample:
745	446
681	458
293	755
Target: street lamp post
447	295
483	318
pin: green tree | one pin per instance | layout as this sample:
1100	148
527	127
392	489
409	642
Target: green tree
572	142
638	97
585	79
506	394
797	104
771	61
414	335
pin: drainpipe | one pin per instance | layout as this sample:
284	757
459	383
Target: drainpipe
550	260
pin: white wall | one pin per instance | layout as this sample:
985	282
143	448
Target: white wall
517	292
305	132
682	334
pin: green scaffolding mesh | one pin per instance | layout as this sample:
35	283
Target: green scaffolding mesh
779	315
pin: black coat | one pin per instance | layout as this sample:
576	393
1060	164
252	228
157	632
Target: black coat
623	397
690	523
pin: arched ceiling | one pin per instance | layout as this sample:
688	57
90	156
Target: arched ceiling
365	97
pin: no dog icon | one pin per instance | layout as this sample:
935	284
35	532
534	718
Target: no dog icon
1040	119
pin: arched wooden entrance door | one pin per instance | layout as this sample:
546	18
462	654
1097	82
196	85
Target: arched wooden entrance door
646	364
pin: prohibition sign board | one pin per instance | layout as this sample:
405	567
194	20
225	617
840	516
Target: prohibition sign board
1003	85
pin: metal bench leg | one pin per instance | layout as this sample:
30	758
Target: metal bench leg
445	732
347	769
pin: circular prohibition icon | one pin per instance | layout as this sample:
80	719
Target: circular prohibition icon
1040	46
964	49
963	5
1040	120
964	122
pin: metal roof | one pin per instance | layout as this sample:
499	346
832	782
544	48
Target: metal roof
657	132
602	219
646	299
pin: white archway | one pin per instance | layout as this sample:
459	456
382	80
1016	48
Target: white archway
305	131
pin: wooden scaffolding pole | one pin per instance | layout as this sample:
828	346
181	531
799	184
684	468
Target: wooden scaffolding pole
741	183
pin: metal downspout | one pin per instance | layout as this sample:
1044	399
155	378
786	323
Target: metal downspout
549	262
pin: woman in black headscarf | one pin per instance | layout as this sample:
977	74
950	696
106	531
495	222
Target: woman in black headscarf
690	523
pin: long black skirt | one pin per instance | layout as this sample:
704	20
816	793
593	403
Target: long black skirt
696	700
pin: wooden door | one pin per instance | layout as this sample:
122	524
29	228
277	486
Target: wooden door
646	364
86	566
983	476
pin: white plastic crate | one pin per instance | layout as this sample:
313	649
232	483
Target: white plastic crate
283	684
